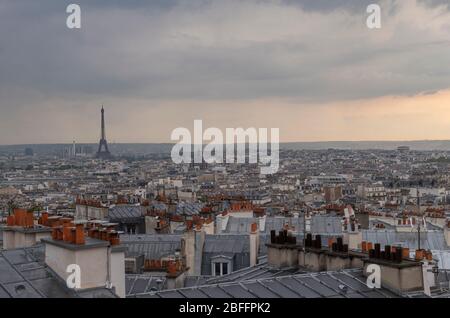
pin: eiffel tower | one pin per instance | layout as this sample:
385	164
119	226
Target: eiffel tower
103	154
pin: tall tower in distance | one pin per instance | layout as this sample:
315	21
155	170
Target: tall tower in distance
103	152
74	149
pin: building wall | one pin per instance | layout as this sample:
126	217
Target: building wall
16	239
42	235
8	240
337	263
313	261
85	212
92	262
242	214
117	268
58	259
176	282
400	279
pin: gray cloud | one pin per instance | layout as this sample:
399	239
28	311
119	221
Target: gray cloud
310	51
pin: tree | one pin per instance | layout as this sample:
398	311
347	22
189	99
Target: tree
11	205
37	208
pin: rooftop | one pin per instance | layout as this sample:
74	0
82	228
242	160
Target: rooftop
24	275
337	284
89	243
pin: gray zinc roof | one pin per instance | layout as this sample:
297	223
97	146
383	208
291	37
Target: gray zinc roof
433	240
126	212
186	208
265	239
139	284
234	246
338	284
319	224
144	284
24	275
223	243
259	271
153	246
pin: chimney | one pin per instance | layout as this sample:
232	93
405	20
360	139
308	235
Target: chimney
208	227
176	275
20	230
428	264
398	272
79	234
311	255
222	221
364	247
101	261
29	221
282	251
352	234
192	250
43	220
150	224
254	244
262	223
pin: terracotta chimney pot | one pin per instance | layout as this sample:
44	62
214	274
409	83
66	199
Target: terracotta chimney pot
79	234
10	220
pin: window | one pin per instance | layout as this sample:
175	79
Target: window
217	269
224	268
220	268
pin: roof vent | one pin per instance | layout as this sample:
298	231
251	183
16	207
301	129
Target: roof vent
19	289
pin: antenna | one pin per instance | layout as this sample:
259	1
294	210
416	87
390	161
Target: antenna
418	235
418	201
304	226
418	223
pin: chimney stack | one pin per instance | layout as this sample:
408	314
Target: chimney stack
99	256
176	274
221	222
352	234
20	230
398	271
254	244
282	251
192	250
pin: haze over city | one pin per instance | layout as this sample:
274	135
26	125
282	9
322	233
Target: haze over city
311	68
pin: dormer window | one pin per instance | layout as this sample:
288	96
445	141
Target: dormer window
220	268
221	265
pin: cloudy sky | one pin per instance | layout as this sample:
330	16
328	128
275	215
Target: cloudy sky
309	67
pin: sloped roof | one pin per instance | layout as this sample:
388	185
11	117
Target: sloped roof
126	212
443	258
259	271
337	284
224	244
319	224
153	246
139	284
24	275
432	240
187	208
142	284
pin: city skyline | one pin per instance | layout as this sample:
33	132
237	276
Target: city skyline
312	69
242	153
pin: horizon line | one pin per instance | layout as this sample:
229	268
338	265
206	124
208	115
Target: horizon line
281	142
